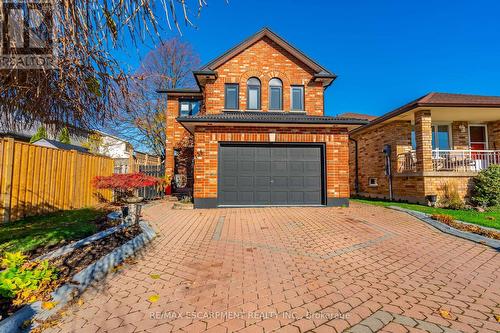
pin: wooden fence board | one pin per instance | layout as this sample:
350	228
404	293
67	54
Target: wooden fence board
36	180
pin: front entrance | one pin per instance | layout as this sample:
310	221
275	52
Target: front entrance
478	137
270	174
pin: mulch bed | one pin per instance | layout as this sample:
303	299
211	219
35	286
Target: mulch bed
102	223
471	228
70	264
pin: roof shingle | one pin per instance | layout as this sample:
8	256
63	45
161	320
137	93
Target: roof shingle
436	99
270	117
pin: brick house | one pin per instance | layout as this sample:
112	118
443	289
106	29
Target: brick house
433	141
257	130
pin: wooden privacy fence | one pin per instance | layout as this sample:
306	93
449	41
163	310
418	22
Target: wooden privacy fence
36	180
152	192
135	162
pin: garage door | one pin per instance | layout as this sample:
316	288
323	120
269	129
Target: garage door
270	175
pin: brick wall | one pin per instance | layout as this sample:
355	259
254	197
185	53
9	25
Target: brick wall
494	135
435	185
423	138
206	153
264	60
406	186
459	138
371	159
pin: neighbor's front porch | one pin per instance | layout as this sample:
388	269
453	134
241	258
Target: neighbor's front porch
467	142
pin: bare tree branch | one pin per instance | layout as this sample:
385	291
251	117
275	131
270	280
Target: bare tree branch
142	122
88	84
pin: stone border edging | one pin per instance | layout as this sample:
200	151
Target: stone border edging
82	242
82	279
494	243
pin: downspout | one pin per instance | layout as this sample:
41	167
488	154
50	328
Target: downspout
356	176
388	168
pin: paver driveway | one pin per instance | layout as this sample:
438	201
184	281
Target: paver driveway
362	268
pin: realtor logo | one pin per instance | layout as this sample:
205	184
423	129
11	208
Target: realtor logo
26	34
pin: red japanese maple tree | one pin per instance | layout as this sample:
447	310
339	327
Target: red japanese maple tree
125	184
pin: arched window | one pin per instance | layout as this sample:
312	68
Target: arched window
275	94
253	94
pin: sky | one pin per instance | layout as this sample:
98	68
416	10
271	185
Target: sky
385	52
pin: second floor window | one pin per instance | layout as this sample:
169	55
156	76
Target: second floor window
275	94
297	96
231	93
253	94
188	107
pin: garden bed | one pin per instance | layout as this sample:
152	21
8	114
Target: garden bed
71	263
489	218
467	227
449	229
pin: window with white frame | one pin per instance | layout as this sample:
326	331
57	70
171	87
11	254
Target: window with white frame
372	182
441	137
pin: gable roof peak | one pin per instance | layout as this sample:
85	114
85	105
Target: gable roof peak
320	71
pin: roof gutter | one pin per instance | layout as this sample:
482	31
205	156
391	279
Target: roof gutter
269	121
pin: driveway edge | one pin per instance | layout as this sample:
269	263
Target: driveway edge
493	243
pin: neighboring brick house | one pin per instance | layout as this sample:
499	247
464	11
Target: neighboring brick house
258	128
435	140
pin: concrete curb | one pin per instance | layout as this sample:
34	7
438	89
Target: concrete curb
82	280
493	243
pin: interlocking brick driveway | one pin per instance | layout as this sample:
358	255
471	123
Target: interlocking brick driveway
362	268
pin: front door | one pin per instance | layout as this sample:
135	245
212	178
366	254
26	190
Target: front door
478	143
477	137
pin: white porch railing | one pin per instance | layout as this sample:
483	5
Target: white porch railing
452	160
407	162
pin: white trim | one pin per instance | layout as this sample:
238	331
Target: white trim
370	184
485	134
450	133
438	123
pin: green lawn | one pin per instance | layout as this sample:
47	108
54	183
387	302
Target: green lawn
40	231
489	218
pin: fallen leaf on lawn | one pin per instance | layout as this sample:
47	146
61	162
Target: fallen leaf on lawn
154	298
497	317
48	305
155	276
445	314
